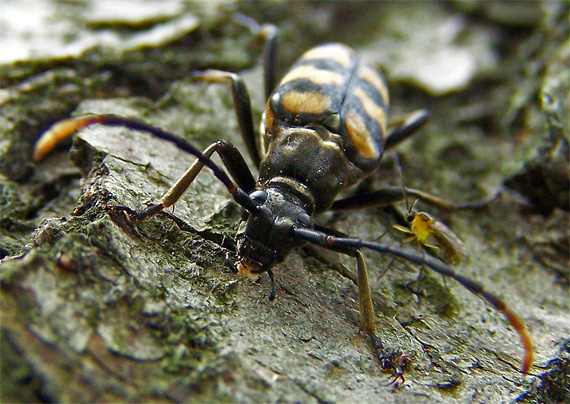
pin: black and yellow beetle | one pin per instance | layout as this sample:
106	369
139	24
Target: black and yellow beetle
324	129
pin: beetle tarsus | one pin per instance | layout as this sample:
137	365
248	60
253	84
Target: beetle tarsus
125	214
392	361
123	217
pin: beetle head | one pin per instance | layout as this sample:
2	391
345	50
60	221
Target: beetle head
264	239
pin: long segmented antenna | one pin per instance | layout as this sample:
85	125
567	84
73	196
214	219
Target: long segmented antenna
399	167
333	242
68	127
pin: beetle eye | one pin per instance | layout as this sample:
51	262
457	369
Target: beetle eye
304	219
258	197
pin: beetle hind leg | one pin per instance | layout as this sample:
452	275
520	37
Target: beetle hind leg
269	34
242	105
401	129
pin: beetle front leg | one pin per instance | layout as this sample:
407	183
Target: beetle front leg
232	160
392	361
367	317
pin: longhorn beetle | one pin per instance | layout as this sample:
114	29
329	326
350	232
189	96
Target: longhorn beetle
324	129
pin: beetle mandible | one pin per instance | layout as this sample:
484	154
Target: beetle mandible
325	128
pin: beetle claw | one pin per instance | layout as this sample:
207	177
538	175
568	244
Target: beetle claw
394	362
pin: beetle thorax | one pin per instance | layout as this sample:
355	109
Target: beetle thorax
313	157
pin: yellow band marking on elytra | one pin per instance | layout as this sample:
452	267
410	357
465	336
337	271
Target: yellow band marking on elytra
371	76
373	110
363	142
314	75
337	52
308	103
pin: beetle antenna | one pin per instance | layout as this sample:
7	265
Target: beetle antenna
68	127
351	244
399	168
409	207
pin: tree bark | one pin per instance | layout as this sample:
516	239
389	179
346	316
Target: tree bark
93	311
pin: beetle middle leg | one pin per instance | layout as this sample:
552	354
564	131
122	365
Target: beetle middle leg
242	104
398	131
230	156
389	195
269	34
